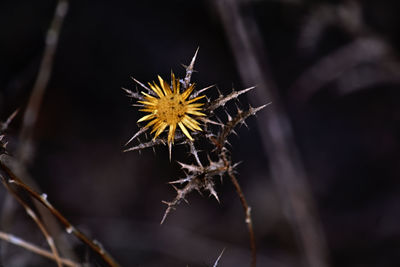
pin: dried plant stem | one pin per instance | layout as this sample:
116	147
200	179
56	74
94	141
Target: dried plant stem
287	170
25	149
32	110
95	246
35	249
249	222
31	213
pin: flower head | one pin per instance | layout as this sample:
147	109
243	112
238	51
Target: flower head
171	108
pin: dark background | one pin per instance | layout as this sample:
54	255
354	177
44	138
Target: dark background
346	122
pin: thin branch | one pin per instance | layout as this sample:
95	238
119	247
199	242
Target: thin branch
69	228
35	249
25	148
334	65
276	132
249	222
35	218
32	110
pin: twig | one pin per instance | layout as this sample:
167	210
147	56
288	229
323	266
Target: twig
35	218
32	110
31	114
35	249
276	132
69	228
336	64
249	222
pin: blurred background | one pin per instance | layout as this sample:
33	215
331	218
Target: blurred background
321	164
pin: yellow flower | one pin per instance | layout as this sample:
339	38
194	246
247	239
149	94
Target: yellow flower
171	108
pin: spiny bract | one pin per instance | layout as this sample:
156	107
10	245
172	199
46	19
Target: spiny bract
171	108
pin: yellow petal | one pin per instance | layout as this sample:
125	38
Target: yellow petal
196	105
187	123
163	125
149	97
196	113
195	99
147	103
173	82
178	85
156	89
188	92
164	86
191	123
185	131
147	117
157	125
151	123
188	108
147	109
171	134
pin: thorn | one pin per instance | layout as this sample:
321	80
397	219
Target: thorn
219	257
167	211
245	90
210	188
195	94
184	199
189	70
236	164
194	152
243	122
219	93
132	94
4	126
255	110
238	109
184	180
228	115
142	130
216	197
169	150
144	86
176	188
190	168
219	120
191	65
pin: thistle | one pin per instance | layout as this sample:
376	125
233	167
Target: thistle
169	108
175	106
